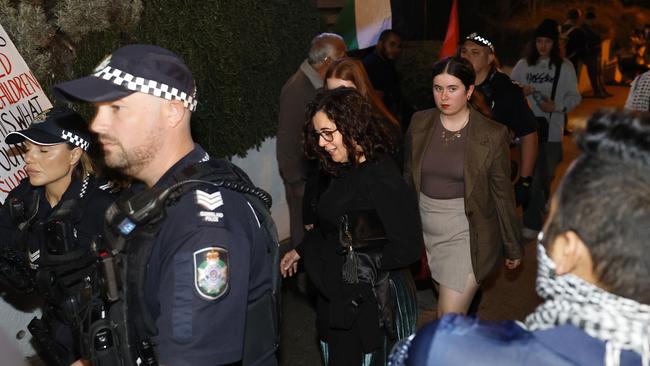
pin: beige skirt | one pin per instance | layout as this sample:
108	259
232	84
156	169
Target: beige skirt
446	238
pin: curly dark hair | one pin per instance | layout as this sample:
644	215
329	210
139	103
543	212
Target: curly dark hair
605	199
355	120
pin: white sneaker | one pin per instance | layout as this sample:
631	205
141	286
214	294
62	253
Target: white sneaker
529	234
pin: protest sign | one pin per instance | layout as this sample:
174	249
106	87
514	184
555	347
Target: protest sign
21	99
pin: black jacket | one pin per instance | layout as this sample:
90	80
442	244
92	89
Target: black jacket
43	249
373	185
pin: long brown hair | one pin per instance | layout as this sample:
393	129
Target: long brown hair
352	70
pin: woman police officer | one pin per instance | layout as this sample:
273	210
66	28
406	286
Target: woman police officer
47	225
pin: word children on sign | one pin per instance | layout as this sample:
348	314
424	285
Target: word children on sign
21	99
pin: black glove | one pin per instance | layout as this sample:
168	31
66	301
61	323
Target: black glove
523	191
15	272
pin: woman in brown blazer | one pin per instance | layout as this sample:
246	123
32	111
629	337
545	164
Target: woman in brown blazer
458	162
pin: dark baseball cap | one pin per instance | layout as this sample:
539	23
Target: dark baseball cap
54	126
480	40
135	68
548	28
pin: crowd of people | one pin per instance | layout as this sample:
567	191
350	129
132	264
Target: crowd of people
179	263
457	166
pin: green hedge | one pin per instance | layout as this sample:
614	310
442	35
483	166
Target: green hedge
240	52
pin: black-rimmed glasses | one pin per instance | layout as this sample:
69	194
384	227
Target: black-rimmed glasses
327	135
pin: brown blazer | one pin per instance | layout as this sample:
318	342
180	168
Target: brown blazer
494	226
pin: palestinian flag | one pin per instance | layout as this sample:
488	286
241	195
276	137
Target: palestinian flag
361	21
450	44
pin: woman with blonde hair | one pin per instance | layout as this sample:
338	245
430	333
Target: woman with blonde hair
48	225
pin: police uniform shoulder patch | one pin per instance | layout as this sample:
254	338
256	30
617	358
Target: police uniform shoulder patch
211	272
209	202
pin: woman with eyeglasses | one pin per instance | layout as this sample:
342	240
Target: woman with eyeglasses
459	163
48	225
348	73
594	268
366	297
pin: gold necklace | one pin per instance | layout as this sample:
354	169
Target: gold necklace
449	137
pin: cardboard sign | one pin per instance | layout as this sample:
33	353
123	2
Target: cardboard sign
21	99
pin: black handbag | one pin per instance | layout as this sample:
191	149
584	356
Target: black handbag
363	238
362	230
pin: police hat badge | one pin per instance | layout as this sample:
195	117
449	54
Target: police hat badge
41	117
102	65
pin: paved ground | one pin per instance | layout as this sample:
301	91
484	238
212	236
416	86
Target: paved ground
507	294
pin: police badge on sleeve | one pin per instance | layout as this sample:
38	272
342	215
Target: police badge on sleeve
211	272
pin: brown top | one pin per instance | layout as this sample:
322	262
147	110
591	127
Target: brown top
442	165
489	197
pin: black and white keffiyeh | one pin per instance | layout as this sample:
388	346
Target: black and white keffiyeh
623	324
639	97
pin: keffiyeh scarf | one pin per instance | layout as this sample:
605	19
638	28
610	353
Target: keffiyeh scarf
623	324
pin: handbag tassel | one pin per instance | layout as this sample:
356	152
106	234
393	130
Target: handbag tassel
350	266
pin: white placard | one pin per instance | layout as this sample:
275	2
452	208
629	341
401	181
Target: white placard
21	99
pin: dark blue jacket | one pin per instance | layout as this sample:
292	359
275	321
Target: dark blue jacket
86	219
209	260
459	340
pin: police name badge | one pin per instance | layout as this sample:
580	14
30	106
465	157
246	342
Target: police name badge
211	272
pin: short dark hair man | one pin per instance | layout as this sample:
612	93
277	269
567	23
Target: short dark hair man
193	275
380	66
508	105
574	38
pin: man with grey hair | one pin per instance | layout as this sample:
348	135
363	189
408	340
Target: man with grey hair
296	93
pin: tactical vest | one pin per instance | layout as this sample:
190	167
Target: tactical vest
63	275
120	335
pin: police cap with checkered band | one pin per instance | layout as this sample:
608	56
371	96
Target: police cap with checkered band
480	40
135	68
54	126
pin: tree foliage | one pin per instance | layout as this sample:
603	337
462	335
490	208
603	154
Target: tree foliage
240	52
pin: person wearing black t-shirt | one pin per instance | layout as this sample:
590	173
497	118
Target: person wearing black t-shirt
508	105
380	66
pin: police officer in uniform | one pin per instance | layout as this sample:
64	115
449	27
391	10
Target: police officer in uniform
48	224
204	265
508	105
